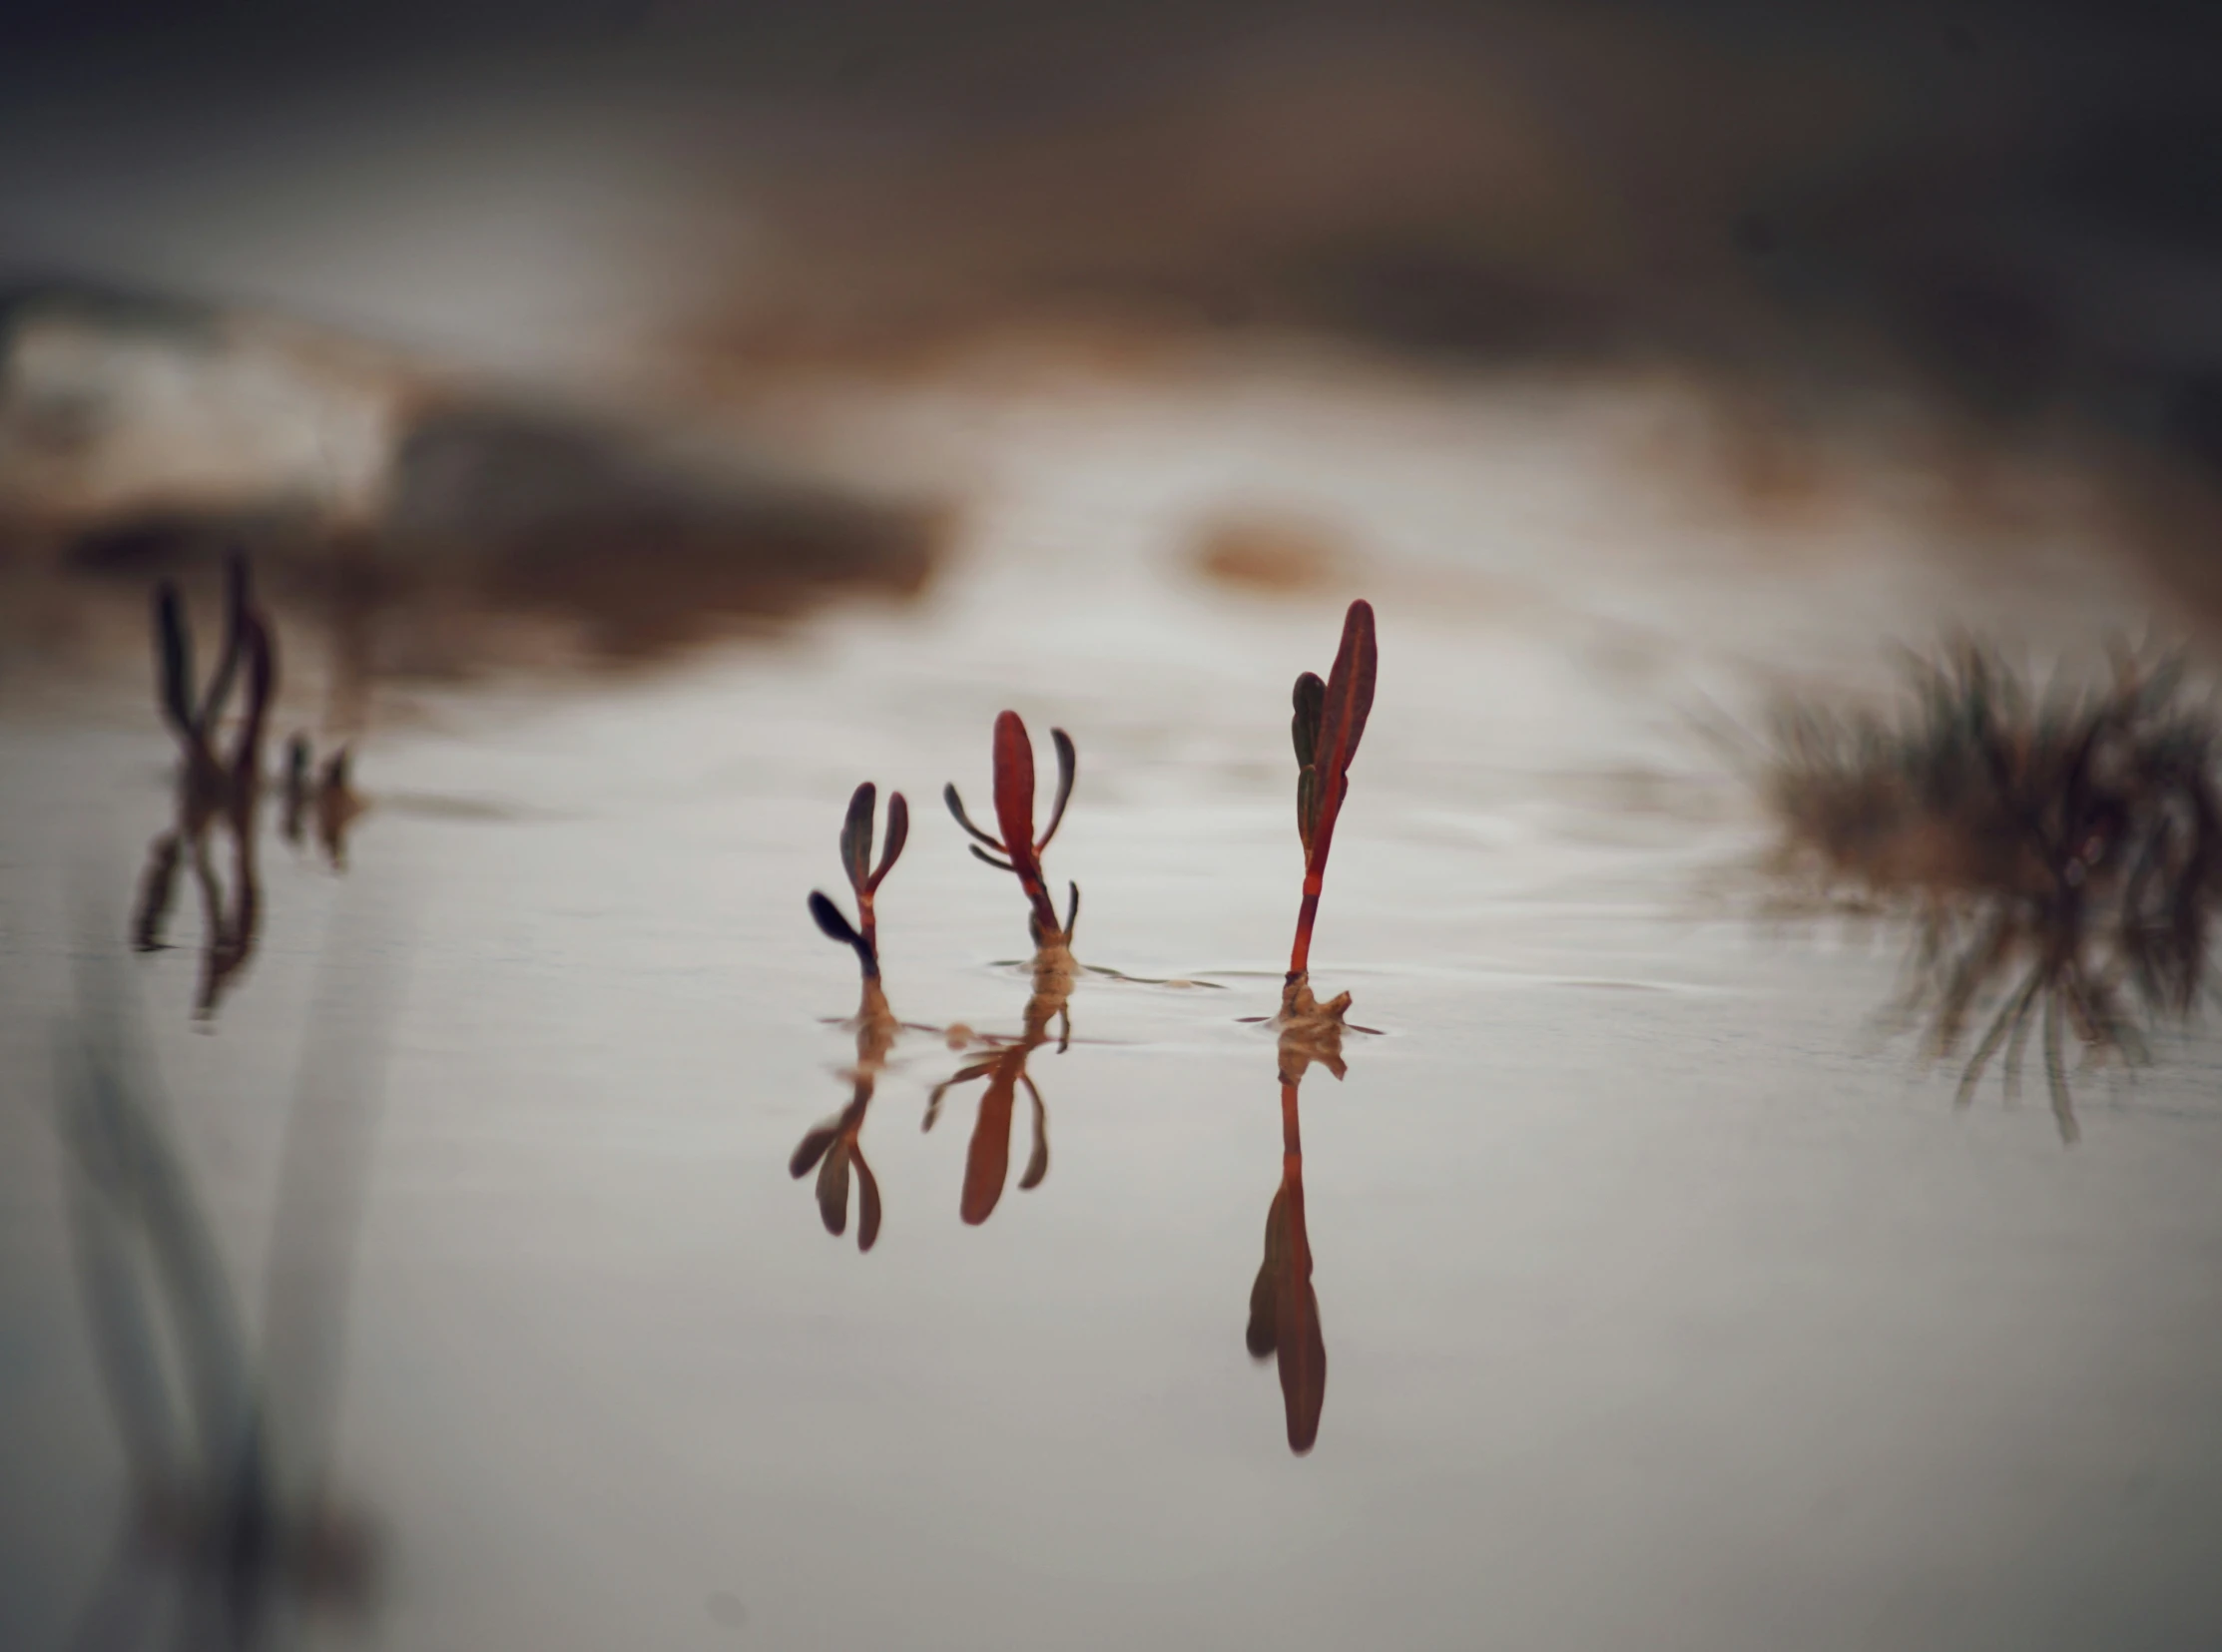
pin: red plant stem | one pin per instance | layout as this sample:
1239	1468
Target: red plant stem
1300	956
1315	877
1030	879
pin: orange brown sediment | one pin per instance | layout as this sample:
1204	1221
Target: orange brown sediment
1268	555
506	539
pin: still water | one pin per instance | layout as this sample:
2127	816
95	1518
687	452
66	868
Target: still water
1661	1302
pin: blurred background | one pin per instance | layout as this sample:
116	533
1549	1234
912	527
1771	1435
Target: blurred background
342	272
644	421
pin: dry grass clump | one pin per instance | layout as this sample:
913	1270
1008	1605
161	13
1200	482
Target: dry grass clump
2061	851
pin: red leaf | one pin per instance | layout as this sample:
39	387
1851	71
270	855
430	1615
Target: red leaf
1014	812
1014	785
898	832
856	835
1349	700
1068	768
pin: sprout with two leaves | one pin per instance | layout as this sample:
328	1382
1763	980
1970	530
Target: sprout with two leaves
833	1146
1330	718
1019	849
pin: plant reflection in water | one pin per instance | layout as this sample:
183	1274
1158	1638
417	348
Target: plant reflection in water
987	1161
325	798
1330	718
834	1145
1283	1308
2059	853
218	793
218	790
226	1452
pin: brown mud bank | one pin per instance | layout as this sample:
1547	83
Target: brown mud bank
429	528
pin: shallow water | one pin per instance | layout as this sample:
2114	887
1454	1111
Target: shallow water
1662	1303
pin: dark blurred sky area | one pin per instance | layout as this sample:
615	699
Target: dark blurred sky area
2017	209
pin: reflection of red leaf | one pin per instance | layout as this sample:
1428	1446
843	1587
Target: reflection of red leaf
812	1150
1263	1332
1298	1340
988	1161
832	1187
867	1205
1037	1162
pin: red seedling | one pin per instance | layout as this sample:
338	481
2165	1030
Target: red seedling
855	854
835	1145
1014	813
1330	718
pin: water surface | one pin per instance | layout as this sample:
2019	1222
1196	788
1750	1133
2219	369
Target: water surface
1662	1303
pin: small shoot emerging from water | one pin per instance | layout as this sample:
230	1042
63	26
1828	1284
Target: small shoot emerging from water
855	854
2062	855
1329	720
1019	849
1284	1323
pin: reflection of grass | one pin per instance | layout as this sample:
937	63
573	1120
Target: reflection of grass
2061	851
216	788
228	1439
